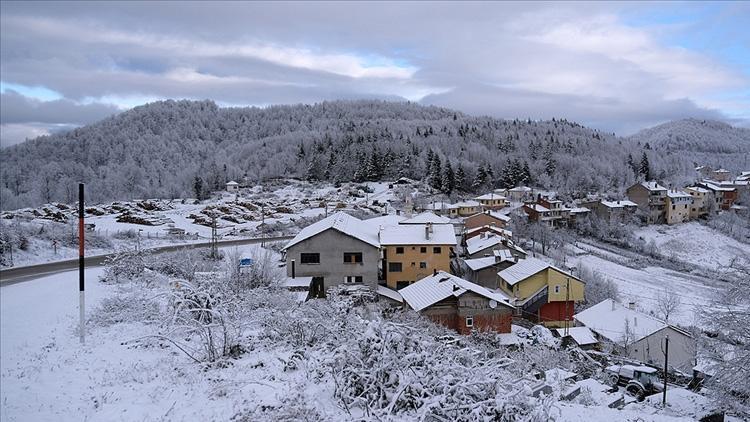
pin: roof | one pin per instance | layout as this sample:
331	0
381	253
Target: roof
390	294
432	289
619	204
465	204
520	189
414	234
557	374
488	196
537	207
343	223
477	264
678	194
440	206
505	255
384	221
298	282
232	182
716	187
578	210
608	319
479	243
522	270
426	217
721	171
581	335
653	186
493	214
698	189
494	229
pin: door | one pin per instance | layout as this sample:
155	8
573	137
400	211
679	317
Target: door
318	288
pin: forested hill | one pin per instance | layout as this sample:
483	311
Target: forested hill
160	149
705	136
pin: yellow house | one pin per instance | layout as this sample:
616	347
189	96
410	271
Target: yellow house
491	201
679	204
542	292
411	252
701	196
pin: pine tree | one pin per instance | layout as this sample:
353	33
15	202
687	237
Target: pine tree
460	182
436	177
645	168
480	179
198	187
301	152
449	179
631	163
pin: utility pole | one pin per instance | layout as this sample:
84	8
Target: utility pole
263	225
567	299
214	239
666	359
54	246
81	264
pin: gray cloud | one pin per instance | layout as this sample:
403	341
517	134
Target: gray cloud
576	61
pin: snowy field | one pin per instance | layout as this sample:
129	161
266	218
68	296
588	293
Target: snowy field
695	243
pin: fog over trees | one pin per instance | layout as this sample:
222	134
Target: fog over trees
186	148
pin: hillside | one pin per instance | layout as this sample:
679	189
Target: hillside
708	136
176	149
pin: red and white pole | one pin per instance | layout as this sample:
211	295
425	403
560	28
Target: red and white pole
81	275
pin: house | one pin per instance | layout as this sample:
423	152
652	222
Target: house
582	337
620	211
484	245
426	217
678	206
640	336
701	197
706	172
744	176
538	213
576	213
483	271
520	194
723	196
441	208
339	249
542	292
651	198
413	251
466	208
491	201
233	186
721	175
459	304
486	218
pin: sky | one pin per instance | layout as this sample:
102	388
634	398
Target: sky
618	67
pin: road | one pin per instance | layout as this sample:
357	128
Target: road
30	272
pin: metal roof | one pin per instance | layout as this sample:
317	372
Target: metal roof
432	289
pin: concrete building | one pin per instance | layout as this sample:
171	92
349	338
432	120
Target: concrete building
723	196
520	194
701	197
483	271
651	198
620	211
678	206
340	249
640	336
459	304
486	218
491	201
412	251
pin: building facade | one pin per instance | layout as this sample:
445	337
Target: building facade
651	199
678	208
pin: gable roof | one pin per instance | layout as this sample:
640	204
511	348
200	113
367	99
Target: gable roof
426	217
477	264
520	189
414	234
432	289
479	243
678	194
653	186
489	196
343	223
384	221
537	207
493	214
527	267
440	206
494	229
581	335
608	318
619	204
465	204
232	183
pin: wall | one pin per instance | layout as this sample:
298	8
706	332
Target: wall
412	254
681	350
681	211
331	246
479	220
553	314
452	313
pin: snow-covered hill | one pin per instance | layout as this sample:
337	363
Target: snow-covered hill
708	136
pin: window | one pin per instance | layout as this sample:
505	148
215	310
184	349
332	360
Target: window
557	288
309	258
399	249
469	321
394	267
437	250
672	207
352	257
423	249
413	264
422	264
351	279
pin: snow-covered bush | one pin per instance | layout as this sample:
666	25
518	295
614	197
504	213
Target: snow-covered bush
124	266
135	305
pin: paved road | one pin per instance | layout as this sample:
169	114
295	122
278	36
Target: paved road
30	272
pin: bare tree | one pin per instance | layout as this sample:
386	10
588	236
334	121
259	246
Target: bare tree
667	302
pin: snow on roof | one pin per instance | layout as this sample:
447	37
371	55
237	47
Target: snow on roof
619	204
440	206
520	189
522	270
426	217
494	214
557	374
537	207
384	221
432	289
504	255
581	335
608	319
467	204
653	186
489	196
341	222
232	182
390	294
300	297
477	264
694	406
414	234
579	210
678	194
698	189
715	187
478	243
495	229
298	282
721	171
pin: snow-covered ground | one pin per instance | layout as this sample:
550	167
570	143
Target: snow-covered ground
695	243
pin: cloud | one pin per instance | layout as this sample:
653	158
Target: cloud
15	133
584	62
16	108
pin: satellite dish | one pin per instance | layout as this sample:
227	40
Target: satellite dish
493	304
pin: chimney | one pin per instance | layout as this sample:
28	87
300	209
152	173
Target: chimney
430	226
427	232
293	269
631	306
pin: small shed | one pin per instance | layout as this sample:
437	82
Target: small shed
233	186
